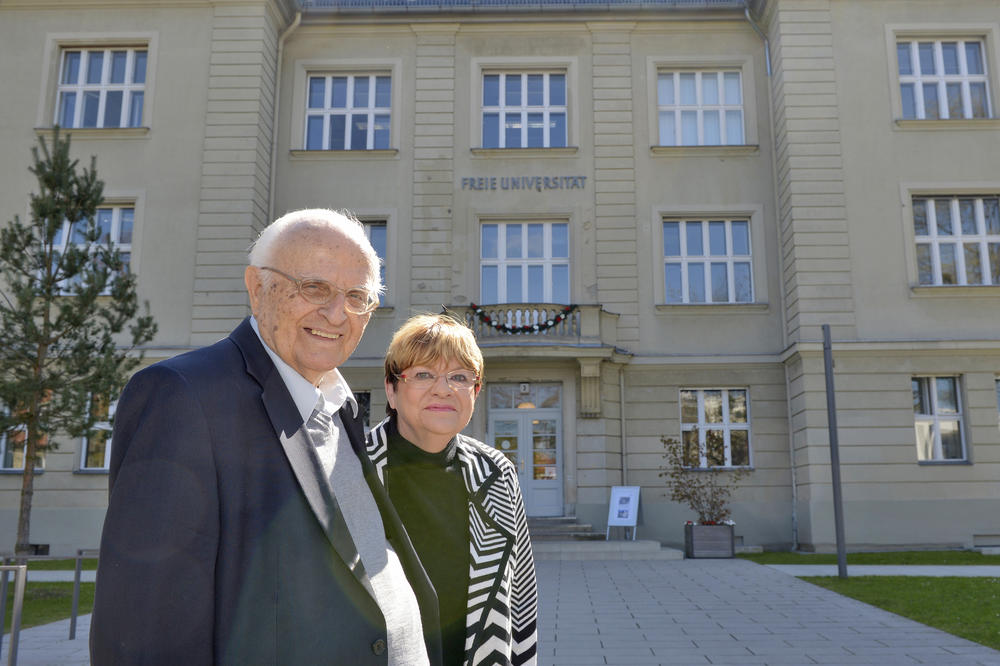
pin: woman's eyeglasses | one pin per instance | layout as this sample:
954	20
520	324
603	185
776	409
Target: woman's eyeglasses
459	380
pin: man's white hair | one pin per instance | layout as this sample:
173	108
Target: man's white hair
262	250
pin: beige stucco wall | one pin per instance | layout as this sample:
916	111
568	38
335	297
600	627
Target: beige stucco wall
886	162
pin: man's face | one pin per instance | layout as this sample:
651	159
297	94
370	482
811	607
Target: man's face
312	339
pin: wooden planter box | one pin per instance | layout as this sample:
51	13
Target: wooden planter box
709	541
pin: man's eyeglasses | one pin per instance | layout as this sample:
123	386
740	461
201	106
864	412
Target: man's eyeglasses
357	300
459	380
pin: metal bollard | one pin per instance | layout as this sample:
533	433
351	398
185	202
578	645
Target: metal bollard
76	588
20	580
3	595
76	594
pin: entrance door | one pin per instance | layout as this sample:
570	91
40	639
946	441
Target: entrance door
532	440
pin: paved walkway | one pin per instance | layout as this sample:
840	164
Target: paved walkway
680	613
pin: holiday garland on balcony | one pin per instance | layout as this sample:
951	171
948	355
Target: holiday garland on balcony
534	328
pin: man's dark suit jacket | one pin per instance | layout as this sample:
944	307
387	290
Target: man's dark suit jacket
222	542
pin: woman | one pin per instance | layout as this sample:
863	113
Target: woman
458	498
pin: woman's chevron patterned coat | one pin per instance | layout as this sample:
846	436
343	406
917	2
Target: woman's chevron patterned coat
503	599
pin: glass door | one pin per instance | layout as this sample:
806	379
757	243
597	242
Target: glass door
531	440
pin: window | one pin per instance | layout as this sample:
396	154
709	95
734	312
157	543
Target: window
707	261
348	112
101	88
524	263
700	108
364	399
524	110
12	447
958	240
998	396
376	232
715	426
937	415
942	79
115	223
96	449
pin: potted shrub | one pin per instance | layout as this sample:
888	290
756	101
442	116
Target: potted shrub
706	490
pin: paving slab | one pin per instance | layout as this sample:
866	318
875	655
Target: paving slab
726	612
676	612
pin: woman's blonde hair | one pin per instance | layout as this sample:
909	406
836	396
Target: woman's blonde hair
428	339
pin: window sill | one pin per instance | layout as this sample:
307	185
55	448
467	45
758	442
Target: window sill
525	152
17	472
322	155
955	291
712	308
704	151
936	463
950	124
720	468
86	133
103	471
384	311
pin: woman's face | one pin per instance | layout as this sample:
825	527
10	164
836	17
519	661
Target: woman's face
429	413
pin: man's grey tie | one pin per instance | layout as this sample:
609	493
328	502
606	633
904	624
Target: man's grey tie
388	581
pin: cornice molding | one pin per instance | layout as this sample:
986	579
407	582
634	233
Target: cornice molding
948	125
705	151
893	348
288	7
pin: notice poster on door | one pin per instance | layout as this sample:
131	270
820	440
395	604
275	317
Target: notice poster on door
623	510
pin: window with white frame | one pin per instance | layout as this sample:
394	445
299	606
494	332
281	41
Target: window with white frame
715	427
958	240
376	231
707	261
348	112
937	415
364	399
95	452
524	262
524	110
101	88
997	382
115	224
700	108
12	447
943	79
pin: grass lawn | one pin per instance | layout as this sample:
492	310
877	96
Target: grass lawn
966	607
953	557
69	564
48	602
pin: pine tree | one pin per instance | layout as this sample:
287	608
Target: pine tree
69	315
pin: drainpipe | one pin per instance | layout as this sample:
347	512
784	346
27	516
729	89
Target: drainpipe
621	421
275	121
756	28
781	291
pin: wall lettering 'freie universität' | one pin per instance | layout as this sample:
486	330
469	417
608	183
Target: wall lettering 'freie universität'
537	183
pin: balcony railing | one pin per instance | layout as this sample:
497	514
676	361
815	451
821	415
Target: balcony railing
511	5
586	325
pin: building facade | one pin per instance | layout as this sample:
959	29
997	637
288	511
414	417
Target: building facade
646	211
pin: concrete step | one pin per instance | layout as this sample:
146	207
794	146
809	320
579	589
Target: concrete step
561	528
603	550
567	536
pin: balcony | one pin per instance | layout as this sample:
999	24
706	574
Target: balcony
513	325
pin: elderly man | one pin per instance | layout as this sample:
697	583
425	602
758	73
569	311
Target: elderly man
243	526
